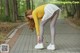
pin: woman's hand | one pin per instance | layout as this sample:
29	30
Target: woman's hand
38	39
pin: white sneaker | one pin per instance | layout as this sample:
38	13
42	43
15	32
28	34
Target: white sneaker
39	46
51	47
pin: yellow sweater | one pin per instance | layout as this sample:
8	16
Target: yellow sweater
37	15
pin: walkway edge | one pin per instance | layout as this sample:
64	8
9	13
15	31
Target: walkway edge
13	32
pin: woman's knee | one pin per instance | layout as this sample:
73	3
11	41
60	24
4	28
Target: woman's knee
52	25
42	23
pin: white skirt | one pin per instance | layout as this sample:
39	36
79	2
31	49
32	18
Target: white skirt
49	10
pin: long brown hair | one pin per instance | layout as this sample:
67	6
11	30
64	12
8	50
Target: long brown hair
30	22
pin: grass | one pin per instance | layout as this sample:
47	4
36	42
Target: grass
2	38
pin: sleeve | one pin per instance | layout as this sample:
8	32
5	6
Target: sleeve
36	23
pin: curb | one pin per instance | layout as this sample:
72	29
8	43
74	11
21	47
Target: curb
13	32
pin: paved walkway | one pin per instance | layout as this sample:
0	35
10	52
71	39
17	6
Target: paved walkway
67	40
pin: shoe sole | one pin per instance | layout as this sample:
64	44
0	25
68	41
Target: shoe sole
39	48
51	49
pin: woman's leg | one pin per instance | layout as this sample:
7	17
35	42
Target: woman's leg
52	26
53	32
42	24
40	38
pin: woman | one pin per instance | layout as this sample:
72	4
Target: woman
39	17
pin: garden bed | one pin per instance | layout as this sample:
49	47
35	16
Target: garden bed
5	28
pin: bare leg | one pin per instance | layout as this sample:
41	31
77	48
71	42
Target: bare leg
53	32
52	26
42	24
40	38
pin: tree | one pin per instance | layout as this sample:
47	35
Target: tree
7	8
73	10
15	10
77	14
0	7
32	5
28	4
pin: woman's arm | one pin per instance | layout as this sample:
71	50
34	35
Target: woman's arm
36	23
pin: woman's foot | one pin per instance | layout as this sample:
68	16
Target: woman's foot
51	47
39	46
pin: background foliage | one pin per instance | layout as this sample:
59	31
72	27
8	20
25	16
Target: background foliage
15	9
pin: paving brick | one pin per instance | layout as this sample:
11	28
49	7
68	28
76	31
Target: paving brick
67	40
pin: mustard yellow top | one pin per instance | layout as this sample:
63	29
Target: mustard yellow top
37	16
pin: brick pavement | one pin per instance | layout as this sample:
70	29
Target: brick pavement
67	40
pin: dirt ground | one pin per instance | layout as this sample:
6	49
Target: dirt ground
5	28
74	22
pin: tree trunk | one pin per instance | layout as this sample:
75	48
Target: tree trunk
67	10
0	7
7	7
28	4
77	15
32	5
15	11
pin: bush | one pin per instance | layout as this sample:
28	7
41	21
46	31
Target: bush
5	19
